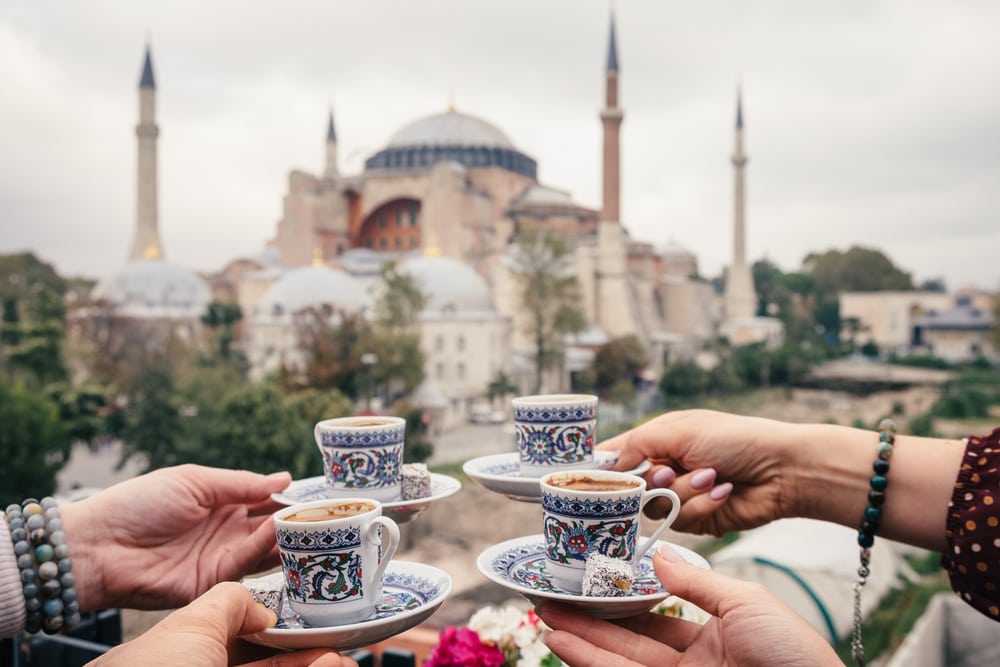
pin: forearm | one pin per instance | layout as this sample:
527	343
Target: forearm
833	466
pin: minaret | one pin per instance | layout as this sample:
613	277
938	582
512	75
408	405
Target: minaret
147	236
611	119
611	300
330	170
740	297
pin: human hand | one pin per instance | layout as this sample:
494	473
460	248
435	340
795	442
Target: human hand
748	627
160	540
692	449
203	634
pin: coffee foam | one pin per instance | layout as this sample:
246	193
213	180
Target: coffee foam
341	510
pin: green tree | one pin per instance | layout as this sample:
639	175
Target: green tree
500	387
252	428
684	379
22	272
221	318
33	443
306	408
396	343
618	361
154	428
331	346
857	270
549	296
34	333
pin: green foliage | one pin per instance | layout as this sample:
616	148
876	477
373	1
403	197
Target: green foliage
252	429
500	387
399	302
549	296
856	270
684	379
418	447
919	361
618	361
33	443
922	425
153	427
22	272
622	393
220	318
33	334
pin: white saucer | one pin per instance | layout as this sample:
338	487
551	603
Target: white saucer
501	473
400	511
519	565
410	594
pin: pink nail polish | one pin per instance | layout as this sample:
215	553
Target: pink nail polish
664	477
721	491
703	478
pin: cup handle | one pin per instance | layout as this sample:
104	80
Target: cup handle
388	550
675	509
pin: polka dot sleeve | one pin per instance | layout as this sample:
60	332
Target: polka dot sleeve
973	528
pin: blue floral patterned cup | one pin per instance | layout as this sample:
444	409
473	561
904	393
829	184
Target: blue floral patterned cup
333	555
595	511
555	432
362	456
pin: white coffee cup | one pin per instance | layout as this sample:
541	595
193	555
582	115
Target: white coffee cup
595	510
333	555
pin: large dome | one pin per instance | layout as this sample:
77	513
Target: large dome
450	129
154	288
449	284
312	286
455	137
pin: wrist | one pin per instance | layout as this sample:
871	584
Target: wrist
85	551
830	467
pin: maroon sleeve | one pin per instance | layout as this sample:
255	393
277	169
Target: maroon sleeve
973	528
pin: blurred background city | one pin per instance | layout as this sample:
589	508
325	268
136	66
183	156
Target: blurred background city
220	224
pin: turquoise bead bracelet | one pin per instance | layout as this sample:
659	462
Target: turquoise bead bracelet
44	565
870	521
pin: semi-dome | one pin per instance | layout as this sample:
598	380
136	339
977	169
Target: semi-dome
448	284
674	249
451	136
312	287
154	288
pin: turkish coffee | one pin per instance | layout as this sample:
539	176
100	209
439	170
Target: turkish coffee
585	483
327	512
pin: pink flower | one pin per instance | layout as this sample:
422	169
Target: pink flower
461	647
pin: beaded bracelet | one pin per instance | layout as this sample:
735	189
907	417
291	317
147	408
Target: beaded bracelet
44	565
870	523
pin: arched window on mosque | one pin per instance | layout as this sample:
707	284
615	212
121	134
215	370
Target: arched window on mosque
460	343
439	343
439	371
461	371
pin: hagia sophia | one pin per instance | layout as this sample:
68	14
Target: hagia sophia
445	200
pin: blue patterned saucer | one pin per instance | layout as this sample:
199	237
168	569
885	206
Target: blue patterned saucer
400	511
501	473
410	594
519	565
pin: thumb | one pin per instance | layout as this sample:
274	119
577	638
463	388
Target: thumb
713	592
230	607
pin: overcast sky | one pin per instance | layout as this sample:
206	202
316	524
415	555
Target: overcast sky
867	122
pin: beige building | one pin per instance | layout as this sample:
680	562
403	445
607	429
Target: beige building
955	327
455	184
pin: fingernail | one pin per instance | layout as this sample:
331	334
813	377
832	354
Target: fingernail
669	554
274	618
703	478
280	475
663	478
721	491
